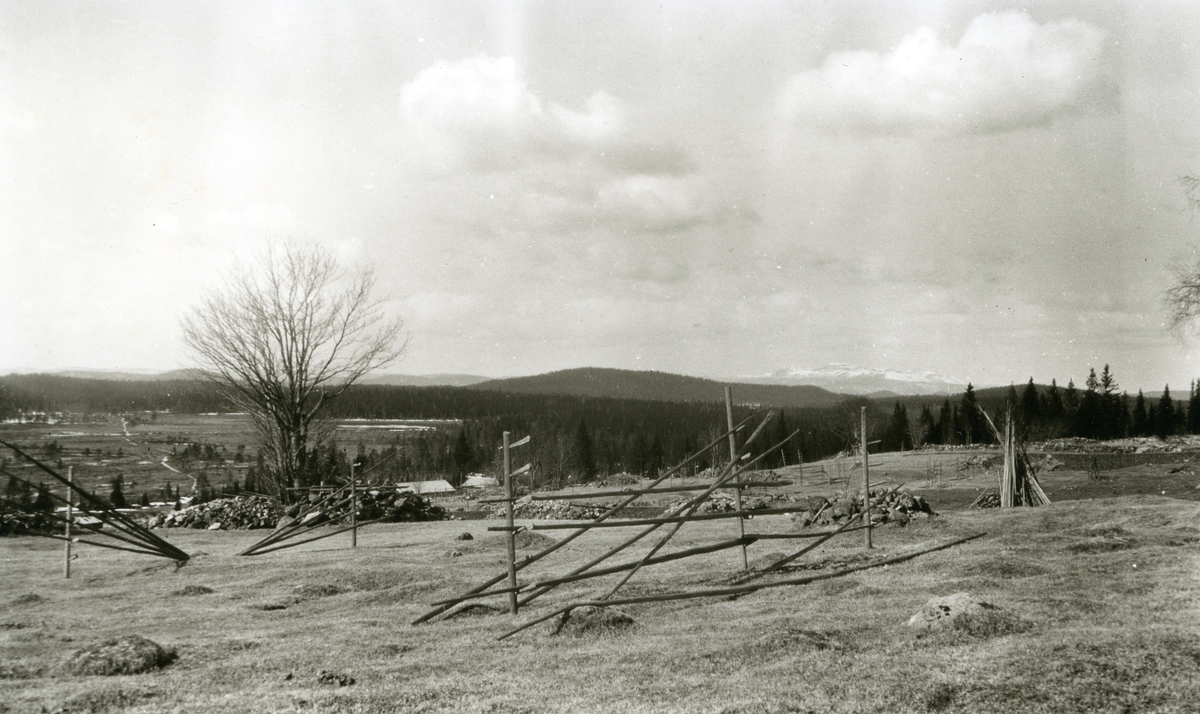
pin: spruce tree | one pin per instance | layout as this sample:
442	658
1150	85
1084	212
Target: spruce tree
945	424
1031	410
1070	399
117	497
585	458
925	430
970	416
1140	426
1165	423
1054	409
897	437
43	503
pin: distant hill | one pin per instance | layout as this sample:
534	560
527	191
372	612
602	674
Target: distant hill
874	383
659	386
130	375
425	380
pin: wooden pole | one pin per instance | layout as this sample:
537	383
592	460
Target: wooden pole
531	559
353	509
866	480
737	493
512	532
70	514
743	589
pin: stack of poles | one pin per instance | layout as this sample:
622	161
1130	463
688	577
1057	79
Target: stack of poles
135	537
1018	484
1008	480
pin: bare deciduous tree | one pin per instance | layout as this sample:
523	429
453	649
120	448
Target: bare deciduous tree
1182	300
283	338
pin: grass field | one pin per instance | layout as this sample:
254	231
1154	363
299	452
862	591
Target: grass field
1100	595
1106	594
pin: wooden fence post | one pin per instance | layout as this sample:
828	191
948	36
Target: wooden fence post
866	479
353	509
70	516
512	531
737	492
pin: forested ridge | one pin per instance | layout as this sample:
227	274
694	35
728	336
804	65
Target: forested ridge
583	437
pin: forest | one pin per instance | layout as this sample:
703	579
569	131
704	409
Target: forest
577	438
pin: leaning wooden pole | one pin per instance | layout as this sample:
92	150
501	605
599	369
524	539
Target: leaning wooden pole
133	532
530	560
726	474
722	478
742	589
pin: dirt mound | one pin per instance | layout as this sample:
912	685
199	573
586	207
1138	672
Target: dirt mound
588	620
130	654
530	539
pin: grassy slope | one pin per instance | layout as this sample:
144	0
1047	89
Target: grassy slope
1106	636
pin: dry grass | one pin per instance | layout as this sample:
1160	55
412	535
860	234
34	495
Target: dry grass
1081	629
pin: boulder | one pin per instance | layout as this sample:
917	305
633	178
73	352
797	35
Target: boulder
941	612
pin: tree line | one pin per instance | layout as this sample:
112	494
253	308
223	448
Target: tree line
576	439
1098	411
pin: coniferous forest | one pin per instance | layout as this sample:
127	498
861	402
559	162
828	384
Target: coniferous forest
577	438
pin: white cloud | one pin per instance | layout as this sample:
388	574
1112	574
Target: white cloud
478	114
1006	72
569	169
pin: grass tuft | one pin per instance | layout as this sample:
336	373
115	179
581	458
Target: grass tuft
315	590
939	697
985	624
191	590
587	620
130	654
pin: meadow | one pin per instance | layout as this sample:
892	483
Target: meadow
1100	595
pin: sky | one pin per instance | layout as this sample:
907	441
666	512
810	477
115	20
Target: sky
725	189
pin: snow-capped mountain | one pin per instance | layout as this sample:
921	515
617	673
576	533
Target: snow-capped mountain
852	379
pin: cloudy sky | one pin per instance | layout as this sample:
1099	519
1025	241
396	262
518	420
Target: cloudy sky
712	188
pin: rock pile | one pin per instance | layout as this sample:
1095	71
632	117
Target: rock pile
621	479
718	502
393	504
237	513
16	522
551	510
890	506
